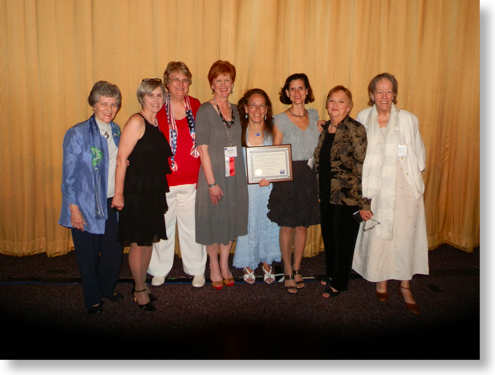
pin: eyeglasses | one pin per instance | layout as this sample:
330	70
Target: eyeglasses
176	80
370	228
151	79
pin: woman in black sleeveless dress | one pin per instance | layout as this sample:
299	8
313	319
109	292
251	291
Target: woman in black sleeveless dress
140	186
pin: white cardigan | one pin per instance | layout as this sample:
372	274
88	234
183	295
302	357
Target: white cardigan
378	174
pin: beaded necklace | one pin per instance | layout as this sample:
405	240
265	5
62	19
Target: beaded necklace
228	124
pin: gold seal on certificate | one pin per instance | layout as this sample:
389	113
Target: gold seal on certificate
271	162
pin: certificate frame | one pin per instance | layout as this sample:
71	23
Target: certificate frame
271	162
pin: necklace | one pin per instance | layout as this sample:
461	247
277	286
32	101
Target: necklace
332	125
228	124
293	114
155	124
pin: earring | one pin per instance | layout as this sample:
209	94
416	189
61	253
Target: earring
372	99
265	117
246	115
231	92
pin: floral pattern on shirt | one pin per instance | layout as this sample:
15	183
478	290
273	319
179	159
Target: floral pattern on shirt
346	157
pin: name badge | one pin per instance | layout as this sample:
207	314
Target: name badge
402	150
230	155
230	152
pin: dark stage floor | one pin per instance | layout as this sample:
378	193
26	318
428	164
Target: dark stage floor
41	302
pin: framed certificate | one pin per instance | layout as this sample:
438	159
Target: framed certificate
271	162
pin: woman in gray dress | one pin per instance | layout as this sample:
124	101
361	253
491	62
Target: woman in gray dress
222	196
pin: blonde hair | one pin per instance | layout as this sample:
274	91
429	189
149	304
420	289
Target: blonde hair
147	86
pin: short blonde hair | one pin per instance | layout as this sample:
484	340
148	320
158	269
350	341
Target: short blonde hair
147	86
176	67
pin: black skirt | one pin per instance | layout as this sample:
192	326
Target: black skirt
295	203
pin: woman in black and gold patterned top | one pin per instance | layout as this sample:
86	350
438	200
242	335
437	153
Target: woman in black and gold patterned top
339	158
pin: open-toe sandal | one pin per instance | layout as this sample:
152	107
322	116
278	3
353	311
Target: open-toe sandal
248	276
299	284
268	275
290	289
330	292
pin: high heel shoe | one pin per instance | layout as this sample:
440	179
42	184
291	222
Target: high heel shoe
290	289
301	282
229	282
249	276
148	306
412	307
331	293
218	285
268	275
382	297
153	298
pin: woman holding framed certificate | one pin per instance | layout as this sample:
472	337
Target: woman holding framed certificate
293	205
260	245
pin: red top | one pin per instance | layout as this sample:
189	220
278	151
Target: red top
187	166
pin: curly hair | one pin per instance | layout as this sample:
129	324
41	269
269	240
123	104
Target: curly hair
283	96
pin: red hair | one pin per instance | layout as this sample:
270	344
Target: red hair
221	67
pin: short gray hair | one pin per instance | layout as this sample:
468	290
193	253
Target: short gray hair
104	88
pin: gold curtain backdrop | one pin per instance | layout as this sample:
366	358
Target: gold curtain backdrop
52	52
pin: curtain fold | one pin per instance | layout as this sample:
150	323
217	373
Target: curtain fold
52	52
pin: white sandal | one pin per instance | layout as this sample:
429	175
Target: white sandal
248	275
268	275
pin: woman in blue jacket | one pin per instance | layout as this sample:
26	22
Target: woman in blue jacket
88	185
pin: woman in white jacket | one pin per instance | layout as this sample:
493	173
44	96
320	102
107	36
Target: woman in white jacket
393	245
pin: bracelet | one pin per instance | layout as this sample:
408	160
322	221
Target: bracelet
213	184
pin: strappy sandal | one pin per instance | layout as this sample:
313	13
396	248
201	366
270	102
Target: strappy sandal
325	280
330	292
248	275
268	275
289	288
298	272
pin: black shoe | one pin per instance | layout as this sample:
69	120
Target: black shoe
96	310
117	297
330	292
146	307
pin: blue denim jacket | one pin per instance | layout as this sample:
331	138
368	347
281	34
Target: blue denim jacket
78	183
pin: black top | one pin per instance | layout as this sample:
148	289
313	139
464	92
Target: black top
325	170
141	220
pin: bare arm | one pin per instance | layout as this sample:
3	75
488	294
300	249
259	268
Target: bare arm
278	137
133	131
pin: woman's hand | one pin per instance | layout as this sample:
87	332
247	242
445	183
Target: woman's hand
215	194
76	218
118	202
321	124
366	215
264	182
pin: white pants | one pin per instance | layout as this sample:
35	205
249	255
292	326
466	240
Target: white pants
181	205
